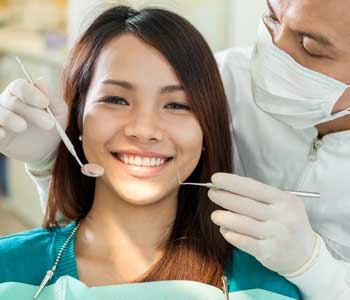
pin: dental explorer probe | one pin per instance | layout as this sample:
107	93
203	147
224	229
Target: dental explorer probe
211	185
89	169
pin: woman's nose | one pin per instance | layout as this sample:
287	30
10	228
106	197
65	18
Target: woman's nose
144	127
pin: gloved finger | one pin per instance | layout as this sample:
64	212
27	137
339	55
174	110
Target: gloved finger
2	133
242	242
11	121
28	93
32	115
248	188
239	224
241	205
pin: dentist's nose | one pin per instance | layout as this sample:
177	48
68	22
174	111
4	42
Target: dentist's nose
144	128
285	39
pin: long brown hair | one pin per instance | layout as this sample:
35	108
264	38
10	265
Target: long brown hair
196	249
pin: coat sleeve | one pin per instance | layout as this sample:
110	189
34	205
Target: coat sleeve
327	279
230	63
40	174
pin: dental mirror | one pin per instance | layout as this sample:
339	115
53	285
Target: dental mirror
92	170
89	169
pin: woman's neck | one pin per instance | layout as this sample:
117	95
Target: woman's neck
125	235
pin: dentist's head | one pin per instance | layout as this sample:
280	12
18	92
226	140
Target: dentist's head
316	35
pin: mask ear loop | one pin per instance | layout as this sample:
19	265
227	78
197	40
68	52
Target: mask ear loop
345	112
340	114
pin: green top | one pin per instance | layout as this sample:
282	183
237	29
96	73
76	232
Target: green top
26	257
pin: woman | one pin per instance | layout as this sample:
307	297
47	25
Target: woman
143	92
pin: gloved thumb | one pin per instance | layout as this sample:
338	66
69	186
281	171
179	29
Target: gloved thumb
42	85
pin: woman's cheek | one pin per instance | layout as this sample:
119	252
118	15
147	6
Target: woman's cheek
192	136
98	129
189	138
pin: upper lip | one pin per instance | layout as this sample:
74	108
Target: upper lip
143	153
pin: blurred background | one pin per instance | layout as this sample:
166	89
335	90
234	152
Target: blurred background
41	33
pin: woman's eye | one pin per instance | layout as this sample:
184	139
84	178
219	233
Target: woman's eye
176	105
115	100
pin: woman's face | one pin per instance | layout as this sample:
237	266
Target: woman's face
138	123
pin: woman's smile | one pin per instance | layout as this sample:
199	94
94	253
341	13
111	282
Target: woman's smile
141	164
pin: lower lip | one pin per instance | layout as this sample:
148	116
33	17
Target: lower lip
138	171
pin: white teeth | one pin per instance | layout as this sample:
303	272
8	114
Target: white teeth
124	159
137	160
141	161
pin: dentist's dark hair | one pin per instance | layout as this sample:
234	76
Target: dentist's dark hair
195	250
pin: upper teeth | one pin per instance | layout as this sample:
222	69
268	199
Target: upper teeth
141	161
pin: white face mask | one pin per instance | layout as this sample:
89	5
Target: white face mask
289	92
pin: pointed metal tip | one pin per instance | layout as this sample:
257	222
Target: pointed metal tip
178	177
225	287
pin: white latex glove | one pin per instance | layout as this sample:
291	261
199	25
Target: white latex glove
27	132
268	223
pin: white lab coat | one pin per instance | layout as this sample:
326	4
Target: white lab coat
276	154
271	152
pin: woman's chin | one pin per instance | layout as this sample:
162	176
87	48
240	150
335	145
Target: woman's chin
139	199
143	193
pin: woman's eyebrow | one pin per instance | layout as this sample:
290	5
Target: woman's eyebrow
121	83
171	89
127	85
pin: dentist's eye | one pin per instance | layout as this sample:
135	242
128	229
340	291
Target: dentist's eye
176	105
313	53
115	100
270	17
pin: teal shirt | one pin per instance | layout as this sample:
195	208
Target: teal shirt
26	257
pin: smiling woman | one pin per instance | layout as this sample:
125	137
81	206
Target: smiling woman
145	106
144	92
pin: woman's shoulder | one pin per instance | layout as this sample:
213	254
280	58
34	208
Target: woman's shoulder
246	272
24	242
24	237
25	256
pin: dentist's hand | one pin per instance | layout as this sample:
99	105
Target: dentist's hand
263	221
27	132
